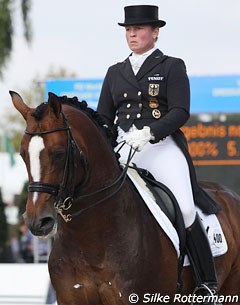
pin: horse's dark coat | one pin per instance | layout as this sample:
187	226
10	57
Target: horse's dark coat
117	248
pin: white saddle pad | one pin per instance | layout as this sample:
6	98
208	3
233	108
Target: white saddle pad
210	222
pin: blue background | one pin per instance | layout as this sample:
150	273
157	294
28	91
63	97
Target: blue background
210	94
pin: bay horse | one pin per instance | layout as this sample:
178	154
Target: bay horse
107	249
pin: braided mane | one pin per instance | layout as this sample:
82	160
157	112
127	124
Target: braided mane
96	118
83	106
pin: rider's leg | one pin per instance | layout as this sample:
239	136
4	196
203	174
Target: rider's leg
200	254
167	164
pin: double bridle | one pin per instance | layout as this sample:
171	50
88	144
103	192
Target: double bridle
64	191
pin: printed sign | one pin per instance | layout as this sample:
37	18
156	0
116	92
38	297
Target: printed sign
84	89
215	94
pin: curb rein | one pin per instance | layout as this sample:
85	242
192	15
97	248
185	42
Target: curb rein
64	195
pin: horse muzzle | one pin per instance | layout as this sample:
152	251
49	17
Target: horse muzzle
41	225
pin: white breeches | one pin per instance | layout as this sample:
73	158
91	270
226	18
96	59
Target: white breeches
167	163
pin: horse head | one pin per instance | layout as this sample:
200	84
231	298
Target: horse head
50	155
63	143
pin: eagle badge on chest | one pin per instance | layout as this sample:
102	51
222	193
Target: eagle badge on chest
153	89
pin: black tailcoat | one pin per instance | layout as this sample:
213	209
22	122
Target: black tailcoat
159	89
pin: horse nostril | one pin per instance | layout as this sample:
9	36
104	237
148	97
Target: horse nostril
45	221
46	224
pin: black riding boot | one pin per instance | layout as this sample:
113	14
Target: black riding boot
200	256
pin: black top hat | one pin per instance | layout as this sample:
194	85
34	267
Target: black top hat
142	14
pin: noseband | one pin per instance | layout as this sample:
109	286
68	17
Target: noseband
64	192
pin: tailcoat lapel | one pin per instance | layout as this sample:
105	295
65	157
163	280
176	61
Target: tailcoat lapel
154	59
126	69
127	72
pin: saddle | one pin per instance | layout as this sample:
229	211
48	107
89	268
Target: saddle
167	203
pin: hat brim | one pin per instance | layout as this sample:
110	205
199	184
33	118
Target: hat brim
159	23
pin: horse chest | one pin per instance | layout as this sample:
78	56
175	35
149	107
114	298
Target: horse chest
76	279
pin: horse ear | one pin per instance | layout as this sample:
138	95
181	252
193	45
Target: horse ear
19	104
54	103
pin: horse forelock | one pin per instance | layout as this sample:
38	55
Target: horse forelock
40	111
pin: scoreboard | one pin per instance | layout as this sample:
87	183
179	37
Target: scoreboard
214	143
215	150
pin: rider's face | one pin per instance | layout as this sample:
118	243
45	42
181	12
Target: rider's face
141	38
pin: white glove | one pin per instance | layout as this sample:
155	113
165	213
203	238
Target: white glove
138	138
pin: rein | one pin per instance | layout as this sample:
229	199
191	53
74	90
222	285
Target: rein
120	179
65	194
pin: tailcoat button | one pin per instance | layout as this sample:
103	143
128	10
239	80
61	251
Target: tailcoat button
125	94
140	105
138	115
128	105
128	116
139	93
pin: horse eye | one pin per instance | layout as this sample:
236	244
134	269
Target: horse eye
58	155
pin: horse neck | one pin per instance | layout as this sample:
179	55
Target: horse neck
122	217
102	170
102	165
124	211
